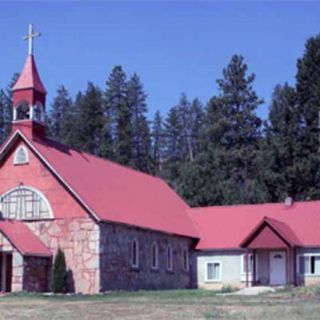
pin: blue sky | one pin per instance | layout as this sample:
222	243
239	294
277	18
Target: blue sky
175	47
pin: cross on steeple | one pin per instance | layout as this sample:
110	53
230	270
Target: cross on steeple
31	34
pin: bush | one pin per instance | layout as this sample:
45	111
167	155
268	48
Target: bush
228	289
60	273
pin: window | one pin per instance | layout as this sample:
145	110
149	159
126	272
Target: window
169	258
135	253
22	111
243	263
154	256
213	271
24	203
309	264
38	112
185	258
21	156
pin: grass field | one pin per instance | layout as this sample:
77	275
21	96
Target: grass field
301	303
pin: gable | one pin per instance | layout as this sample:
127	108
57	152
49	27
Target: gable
267	238
36	175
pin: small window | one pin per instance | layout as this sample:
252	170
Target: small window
185	254
309	264
213	272
169	258
21	156
135	253
154	256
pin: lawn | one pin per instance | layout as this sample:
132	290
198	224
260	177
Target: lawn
301	303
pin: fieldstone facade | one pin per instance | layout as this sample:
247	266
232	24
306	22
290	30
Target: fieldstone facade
117	272
79	240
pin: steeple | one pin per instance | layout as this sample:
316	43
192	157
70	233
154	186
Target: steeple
29	95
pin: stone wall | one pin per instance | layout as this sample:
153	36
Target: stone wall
79	239
117	272
36	274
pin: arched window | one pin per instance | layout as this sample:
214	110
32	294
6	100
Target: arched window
135	253
25	203
22	111
169	257
185	258
21	156
154	256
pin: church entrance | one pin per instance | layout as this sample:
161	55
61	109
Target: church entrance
5	271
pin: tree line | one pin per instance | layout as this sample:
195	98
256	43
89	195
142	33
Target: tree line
218	153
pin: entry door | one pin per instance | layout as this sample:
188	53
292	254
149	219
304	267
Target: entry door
277	268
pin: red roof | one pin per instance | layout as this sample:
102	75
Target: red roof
23	239
225	227
29	77
117	193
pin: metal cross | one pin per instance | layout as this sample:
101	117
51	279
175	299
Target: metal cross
31	34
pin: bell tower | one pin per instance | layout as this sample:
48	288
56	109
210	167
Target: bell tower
29	95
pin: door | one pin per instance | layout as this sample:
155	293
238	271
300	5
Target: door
277	268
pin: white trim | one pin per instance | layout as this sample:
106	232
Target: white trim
242	267
15	158
156	266
206	271
18	132
135	253
309	274
38	192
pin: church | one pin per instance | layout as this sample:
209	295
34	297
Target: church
121	229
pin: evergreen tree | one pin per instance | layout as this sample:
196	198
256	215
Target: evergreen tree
118	111
224	172
158	143
141	141
89	120
308	92
60	274
279	169
58	120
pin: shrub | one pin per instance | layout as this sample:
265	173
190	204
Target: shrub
60	273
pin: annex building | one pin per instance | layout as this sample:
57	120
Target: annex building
125	230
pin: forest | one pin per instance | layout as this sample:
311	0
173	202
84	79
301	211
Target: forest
212	153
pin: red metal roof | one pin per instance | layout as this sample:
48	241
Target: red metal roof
225	227
117	193
29	77
270	233
22	238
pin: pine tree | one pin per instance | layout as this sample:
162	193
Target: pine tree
89	120
308	92
60	273
58	120
279	170
141	141
158	143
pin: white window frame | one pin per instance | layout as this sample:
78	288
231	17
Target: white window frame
206	271
242	267
135	253
15	158
308	255
185	262
155	245
169	257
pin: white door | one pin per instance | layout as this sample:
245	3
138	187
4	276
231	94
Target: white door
277	268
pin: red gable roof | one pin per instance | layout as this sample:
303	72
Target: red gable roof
29	77
116	193
225	227
23	239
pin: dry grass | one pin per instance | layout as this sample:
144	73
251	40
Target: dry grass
303	303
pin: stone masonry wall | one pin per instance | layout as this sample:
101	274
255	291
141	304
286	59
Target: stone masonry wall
117	272
36	271
79	239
